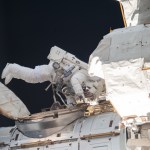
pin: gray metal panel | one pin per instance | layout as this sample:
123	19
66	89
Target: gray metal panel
146	43
66	146
105	122
47	126
95	145
125	45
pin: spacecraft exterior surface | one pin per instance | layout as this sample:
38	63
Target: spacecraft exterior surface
95	132
122	60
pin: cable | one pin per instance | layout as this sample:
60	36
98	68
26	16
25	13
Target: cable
61	99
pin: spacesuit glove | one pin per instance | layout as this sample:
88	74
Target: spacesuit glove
7	73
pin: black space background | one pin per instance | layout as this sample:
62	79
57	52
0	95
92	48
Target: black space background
29	28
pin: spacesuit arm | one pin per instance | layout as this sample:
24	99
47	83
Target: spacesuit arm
76	81
37	75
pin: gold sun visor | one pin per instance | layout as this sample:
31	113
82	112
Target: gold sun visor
10	105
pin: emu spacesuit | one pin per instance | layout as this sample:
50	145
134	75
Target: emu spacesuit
66	73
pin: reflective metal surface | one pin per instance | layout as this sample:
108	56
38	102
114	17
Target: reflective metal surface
45	126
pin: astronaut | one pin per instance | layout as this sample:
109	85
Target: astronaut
66	73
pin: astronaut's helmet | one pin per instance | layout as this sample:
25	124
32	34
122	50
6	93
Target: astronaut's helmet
56	54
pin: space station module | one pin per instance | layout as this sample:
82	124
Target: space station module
122	59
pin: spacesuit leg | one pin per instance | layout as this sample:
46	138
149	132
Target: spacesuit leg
39	74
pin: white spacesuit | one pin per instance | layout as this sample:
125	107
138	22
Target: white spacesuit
66	73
